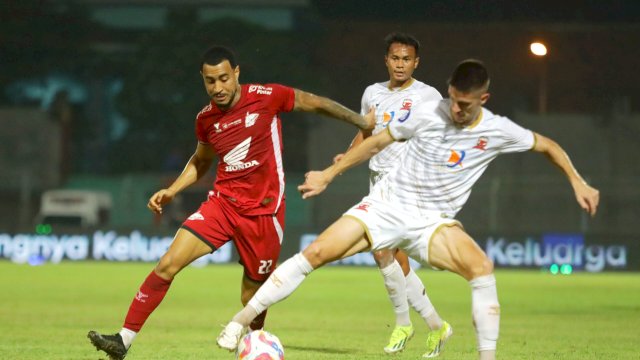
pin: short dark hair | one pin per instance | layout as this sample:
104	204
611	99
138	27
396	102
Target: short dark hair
470	75
402	38
217	54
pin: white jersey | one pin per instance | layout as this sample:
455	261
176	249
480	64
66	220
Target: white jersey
443	162
393	104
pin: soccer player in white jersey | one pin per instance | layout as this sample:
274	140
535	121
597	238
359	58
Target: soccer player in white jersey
449	145
394	99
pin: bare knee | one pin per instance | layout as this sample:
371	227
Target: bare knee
315	254
167	267
383	258
184	249
454	250
479	268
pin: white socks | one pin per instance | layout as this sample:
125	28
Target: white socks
127	336
282	282
419	301
404	291
397	291
486	314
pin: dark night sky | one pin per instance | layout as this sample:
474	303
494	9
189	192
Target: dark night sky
487	10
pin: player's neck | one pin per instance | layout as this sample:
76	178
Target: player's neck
236	99
396	85
471	123
476	121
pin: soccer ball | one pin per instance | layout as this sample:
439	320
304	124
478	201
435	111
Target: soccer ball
260	345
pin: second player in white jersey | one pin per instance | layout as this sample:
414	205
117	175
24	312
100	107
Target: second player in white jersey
393	104
394	99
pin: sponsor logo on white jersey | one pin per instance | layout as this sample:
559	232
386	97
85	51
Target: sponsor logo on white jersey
482	143
364	206
406	104
196	216
455	158
234	158
250	119
403	115
260	90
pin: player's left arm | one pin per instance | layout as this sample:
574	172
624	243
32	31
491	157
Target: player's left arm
587	196
305	101
316	181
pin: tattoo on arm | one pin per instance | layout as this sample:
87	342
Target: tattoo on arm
321	105
334	109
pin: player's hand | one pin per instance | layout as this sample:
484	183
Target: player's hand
588	198
314	184
160	198
337	158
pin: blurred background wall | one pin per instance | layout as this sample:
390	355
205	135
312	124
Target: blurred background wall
101	95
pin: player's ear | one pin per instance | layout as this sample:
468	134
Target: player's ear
236	72
415	64
484	98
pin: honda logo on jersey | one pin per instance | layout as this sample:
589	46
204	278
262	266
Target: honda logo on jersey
234	158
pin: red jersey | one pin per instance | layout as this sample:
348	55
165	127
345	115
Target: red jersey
248	141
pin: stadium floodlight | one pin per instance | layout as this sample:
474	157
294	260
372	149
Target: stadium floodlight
538	49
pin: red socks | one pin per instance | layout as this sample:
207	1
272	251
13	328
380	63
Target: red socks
149	296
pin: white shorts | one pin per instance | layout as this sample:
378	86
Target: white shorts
389	227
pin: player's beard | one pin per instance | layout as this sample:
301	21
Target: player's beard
227	104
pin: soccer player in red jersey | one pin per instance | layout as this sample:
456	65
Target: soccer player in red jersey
241	126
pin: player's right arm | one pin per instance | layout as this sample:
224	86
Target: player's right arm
317	181
357	140
196	167
305	101
361	134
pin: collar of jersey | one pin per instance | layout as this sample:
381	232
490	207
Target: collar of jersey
406	85
477	121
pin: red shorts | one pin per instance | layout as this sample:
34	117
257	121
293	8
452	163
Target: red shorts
257	238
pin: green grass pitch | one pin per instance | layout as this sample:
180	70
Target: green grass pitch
337	313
